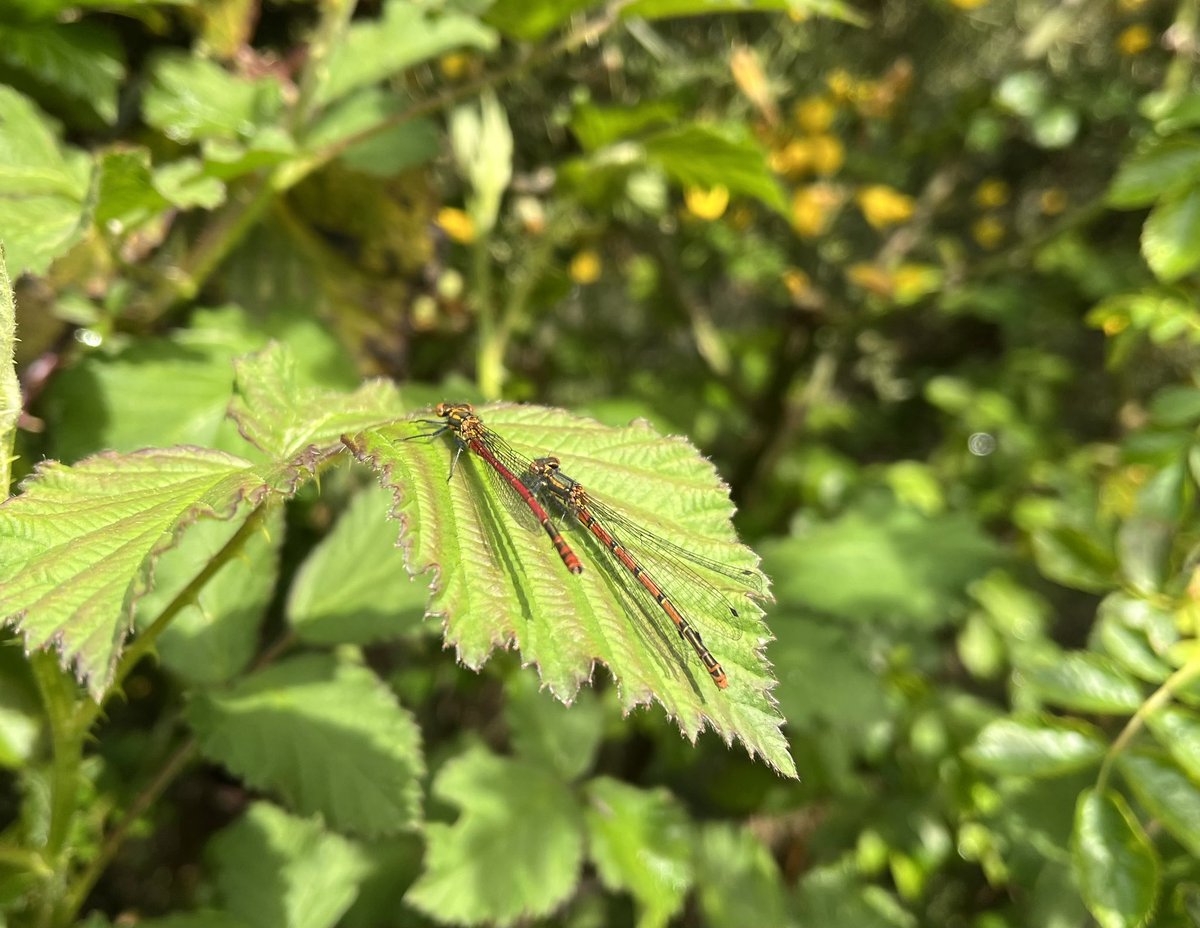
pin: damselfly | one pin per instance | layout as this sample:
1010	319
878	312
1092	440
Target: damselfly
639	551
472	435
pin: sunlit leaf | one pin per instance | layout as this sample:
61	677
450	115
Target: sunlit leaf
739	882
500	581
280	414
1083	681
562	738
362	750
1169	166
1178	730
78	546
353	588
81	60
1167	793
43	185
10	387
1049	747
189	98
641	843
513	854
1171	236
1114	864
704	156
274	870
529	20
406	34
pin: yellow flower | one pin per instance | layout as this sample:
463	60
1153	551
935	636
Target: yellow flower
988	231
913	281
871	277
457	224
813	207
968	4
991	193
752	81
1134	40
840	84
1115	324
826	154
814	114
794	158
884	206
707	204
798	284
454	65
585	267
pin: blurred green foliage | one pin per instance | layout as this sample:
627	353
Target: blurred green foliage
920	278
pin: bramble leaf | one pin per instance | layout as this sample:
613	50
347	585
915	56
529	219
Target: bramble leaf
78	546
1114	864
280	414
513	854
739	882
640	842
43	186
1083	681
405	35
362	750
274	870
352	588
10	387
500	583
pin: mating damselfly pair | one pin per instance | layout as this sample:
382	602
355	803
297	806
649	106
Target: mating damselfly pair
670	579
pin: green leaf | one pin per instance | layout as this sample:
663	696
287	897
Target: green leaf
43	186
739	883
280	414
326	735
1178	730
501	582
1171	235
22	715
837	897
394	863
386	153
408	34
1084	682
883	562
189	98
78	546
529	20
214	637
10	386
1044	748
1176	406
641	843
513	854
353	588
562	738
704	156
273	870
83	61
824	673
1170	166
1074	558
482	141
1114	864
1166	793
597	126
158	391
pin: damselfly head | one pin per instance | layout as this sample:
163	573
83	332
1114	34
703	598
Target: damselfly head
459	410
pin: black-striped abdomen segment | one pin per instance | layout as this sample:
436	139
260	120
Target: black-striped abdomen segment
560	544
685	629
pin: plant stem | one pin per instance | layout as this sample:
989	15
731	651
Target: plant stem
1158	699
77	894
335	19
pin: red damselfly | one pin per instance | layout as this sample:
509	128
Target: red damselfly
472	435
647	556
